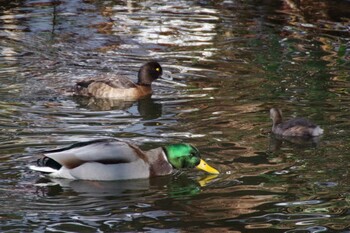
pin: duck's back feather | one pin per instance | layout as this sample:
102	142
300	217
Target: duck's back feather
103	151
114	88
297	122
300	127
111	80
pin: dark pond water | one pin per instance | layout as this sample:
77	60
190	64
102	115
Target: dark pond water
230	62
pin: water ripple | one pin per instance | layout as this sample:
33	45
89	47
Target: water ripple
225	64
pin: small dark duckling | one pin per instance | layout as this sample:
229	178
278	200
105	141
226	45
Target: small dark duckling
119	87
297	127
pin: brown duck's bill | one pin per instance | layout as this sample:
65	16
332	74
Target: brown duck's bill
205	167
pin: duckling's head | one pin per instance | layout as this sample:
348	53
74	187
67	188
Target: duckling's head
149	72
276	115
187	156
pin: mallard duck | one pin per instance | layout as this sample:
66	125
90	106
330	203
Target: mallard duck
297	127
120	87
113	159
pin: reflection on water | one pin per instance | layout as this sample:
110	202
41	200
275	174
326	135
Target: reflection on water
179	186
147	108
228	63
277	142
92	188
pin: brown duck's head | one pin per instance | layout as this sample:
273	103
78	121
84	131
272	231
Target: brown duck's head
276	115
149	72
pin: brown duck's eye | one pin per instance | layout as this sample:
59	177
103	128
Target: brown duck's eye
158	69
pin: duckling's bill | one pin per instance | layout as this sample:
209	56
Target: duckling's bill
205	167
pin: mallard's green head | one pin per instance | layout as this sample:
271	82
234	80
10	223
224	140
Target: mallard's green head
187	156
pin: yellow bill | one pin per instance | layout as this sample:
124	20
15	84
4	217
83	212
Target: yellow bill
205	167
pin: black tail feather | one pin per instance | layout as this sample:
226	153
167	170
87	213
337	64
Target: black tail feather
48	162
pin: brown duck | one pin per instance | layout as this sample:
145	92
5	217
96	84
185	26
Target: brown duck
120	87
296	127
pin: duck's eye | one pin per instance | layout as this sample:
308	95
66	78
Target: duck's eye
158	69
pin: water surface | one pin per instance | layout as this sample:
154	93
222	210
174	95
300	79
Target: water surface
230	62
